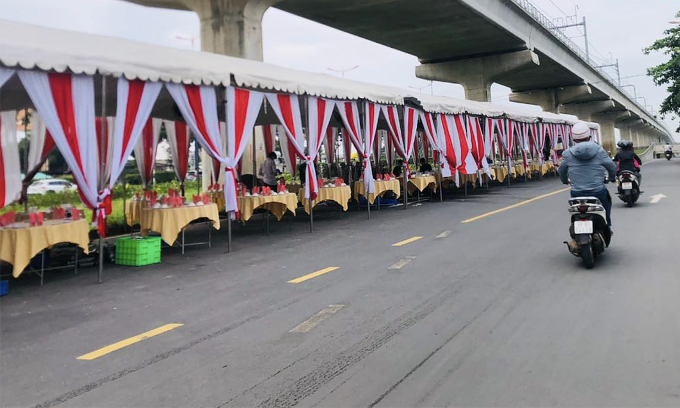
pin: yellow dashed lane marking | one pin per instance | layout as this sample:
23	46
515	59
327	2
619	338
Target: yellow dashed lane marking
406	241
313	321
313	274
521	203
132	340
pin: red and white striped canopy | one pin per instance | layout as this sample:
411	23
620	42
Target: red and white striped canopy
243	106
104	147
135	99
66	103
178	139
463	147
477	140
10	170
435	137
145	150
329	143
446	127
319	111
41	143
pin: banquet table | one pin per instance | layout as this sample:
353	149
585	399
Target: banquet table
420	183
500	173
276	204
340	195
217	197
381	187
19	245
169	222
133	211
546	168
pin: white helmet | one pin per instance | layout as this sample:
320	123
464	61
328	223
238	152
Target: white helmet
580	131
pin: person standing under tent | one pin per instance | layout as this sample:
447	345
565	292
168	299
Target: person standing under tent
425	167
268	171
397	169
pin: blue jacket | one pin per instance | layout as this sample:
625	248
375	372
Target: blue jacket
584	164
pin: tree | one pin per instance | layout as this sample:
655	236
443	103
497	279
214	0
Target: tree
668	73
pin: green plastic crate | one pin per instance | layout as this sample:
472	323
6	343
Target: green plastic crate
138	251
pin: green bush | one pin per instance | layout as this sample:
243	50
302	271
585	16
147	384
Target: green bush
165	176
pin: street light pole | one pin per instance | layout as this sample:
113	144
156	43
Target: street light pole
192	39
343	70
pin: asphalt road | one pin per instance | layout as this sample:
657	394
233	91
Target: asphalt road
493	312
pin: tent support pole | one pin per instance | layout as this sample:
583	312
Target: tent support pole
441	187
25	158
405	184
229	231
509	171
311	215
100	274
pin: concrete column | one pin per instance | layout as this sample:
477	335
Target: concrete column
607	123
608	137
476	75
228	27
628	131
551	99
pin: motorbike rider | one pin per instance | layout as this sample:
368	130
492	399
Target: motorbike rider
668	148
626	159
583	165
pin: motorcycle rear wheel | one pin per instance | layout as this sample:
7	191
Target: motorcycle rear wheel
588	255
629	199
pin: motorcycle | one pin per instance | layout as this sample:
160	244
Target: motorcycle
589	231
669	154
628	187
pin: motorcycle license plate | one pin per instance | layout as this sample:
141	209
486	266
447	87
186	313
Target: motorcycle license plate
627	185
583	227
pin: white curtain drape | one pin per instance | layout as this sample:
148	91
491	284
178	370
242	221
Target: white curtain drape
10	170
319	111
66	103
135	100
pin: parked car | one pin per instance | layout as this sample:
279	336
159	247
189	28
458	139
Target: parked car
191	175
51	186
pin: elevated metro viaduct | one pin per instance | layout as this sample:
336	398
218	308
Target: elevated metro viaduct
474	43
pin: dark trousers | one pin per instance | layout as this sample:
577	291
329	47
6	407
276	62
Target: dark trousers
603	196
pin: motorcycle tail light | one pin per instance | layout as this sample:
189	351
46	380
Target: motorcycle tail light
626	176
582	208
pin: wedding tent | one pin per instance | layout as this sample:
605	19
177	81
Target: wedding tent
139	87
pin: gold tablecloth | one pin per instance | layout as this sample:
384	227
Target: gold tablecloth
381	187
420	183
340	195
19	245
499	173
133	210
170	221
546	168
277	205
217	197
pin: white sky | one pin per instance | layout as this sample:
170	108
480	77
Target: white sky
622	27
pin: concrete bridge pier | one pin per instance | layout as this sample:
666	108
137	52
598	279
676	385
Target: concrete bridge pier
228	27
628	132
607	121
476	75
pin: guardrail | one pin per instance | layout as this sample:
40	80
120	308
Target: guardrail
547	23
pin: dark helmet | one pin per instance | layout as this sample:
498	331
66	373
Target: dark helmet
625	144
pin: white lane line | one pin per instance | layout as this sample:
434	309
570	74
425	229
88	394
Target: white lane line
444	234
657	198
402	262
314	321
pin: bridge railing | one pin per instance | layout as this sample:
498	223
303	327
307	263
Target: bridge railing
548	24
